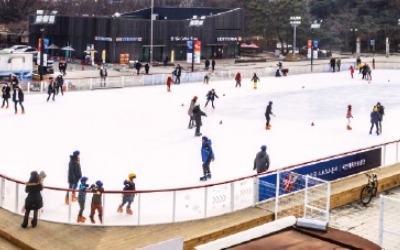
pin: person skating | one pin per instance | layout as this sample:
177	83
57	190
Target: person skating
190	112
349	115
18	98
207	156
177	73
238	80
103	76
97	203
14	81
268	113
211	97
213	65
51	89
138	66
169	82
128	198
34	199
351	71
60	83
374	120
197	114
83	187
261	162
5	95
207	77
381	113
74	174
255	79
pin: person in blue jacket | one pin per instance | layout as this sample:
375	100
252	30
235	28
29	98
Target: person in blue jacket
374	120
207	155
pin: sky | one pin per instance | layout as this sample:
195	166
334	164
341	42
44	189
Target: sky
144	130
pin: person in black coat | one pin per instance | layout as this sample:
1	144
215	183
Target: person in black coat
211	97
74	175
34	199
18	97
5	94
268	113
146	68
197	114
374	120
333	63
60	83
51	89
138	66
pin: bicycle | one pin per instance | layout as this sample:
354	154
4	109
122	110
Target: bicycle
369	190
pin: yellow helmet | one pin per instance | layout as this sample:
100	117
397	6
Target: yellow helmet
132	175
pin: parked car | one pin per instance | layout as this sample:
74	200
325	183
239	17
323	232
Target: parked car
29	50
5	78
14	48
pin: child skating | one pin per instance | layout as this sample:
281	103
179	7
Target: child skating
97	203
128	198
349	115
255	79
83	187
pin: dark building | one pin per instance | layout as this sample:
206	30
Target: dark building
130	33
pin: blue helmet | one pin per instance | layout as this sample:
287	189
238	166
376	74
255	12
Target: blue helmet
84	179
99	183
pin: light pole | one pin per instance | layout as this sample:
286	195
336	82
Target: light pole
353	47
314	25
295	21
43	17
195	22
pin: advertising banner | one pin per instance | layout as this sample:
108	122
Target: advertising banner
197	51
189	51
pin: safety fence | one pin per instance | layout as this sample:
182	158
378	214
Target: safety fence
307	192
389	231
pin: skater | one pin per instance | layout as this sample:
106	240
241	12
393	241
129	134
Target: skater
138	66
97	203
169	82
34	199
338	63
351	71
103	76
277	73
59	84
206	77
197	114
255	79
51	89
177	73
5	94
129	185
190	112
210	97
74	174
261	162
349	115
14	81
333	63
207	155
368	73
268	113
374	120
83	187
146	68
18	98
213	65
381	113
42	176
238	80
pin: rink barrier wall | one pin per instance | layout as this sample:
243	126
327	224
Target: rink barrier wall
181	204
91	83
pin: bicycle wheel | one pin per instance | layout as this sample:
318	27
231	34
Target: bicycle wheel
366	195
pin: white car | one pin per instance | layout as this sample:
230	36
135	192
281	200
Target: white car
14	48
28	49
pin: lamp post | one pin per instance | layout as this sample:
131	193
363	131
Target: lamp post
195	22
314	25
294	22
353	47
43	17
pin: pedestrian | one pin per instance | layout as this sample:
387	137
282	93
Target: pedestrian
128	198
34	199
74	174
97	203
207	64
190	112
381	113
18	98
368	73
211	97
5	94
279	65
207	156
14	81
238	80
261	162
338	64
268	113
207	77
51	89
374	120
213	65
42	176
255	79
349	115
333	63
169	82
138	66
103	76
373	63
178	72
197	114
60	83
147	68
83	187
166	61
351	71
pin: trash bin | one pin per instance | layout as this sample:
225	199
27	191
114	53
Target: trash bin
131	64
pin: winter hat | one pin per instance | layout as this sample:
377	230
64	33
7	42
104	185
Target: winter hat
42	174
99	183
349	106
76	153
375	108
132	175
270	102
84	179
195	97
263	147
204	138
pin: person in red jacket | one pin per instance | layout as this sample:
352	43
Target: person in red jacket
169	81
238	79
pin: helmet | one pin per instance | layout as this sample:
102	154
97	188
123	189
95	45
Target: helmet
99	183
132	175
84	179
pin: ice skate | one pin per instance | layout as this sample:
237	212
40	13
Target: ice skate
370	132
81	219
2	106
208	175
348	127
267	127
23	112
101	219
119	209
92	220
74	198
66	200
129	211
198	134
203	178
